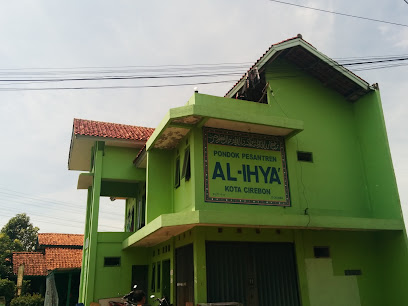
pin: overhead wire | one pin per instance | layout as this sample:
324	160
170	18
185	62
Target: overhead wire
20	197
341	14
363	63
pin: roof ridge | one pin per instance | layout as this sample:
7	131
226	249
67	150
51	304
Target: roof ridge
121	124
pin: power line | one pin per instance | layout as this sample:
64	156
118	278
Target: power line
364	63
110	78
341	14
114	87
40	201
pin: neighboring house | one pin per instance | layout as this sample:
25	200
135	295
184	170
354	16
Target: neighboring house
57	256
280	193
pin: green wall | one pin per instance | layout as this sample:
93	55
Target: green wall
183	195
377	163
115	281
159	184
384	270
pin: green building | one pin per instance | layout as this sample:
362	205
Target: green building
280	193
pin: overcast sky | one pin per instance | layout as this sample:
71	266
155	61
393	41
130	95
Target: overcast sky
37	125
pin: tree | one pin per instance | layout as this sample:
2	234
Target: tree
20	228
7	247
7	289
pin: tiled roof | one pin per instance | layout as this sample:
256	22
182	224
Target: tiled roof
34	263
48	239
299	36
111	130
38	263
59	251
63	258
273	45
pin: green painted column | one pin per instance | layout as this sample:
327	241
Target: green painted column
200	271
93	226
83	276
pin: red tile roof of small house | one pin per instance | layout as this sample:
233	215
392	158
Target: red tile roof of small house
111	130
58	251
62	258
34	263
51	239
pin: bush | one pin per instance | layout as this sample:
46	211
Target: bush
26	289
28	300
7	289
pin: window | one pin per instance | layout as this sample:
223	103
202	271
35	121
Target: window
158	276
177	173
305	156
153	284
186	165
111	262
321	252
141	211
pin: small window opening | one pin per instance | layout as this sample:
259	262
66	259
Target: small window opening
111	262
186	165
321	252
153	284
305	156
352	272
158	276
177	173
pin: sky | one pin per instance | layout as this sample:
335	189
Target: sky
49	36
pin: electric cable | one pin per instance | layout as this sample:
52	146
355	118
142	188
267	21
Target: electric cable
341	14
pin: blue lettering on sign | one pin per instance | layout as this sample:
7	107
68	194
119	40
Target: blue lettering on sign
218	172
249	174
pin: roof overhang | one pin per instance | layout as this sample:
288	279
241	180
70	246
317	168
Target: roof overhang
80	149
320	66
167	226
210	111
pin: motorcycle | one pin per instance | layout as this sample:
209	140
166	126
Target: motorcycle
132	300
162	301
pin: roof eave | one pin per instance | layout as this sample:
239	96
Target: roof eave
275	51
80	149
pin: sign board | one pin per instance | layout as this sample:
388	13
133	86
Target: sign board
245	168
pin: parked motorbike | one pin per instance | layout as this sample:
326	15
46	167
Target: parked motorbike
162	301
131	301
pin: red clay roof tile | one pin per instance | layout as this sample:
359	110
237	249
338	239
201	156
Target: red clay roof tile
111	130
48	239
34	263
60	251
62	258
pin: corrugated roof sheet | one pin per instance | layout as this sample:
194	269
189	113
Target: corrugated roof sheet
111	130
60	239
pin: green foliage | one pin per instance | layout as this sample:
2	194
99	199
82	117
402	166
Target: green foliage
28	300
20	228
7	247
7	289
26	288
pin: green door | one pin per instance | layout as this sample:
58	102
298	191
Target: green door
254	274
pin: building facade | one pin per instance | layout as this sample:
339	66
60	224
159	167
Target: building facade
280	193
